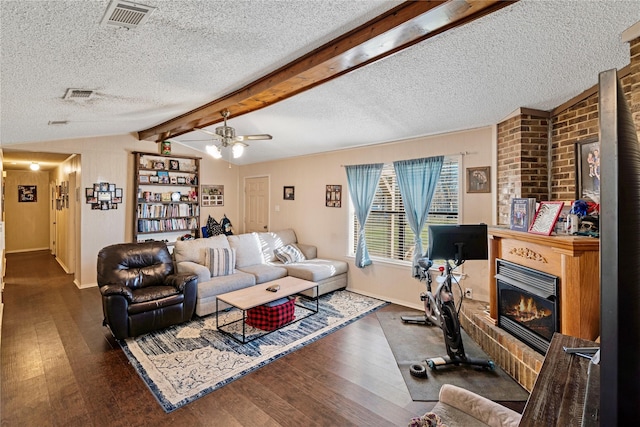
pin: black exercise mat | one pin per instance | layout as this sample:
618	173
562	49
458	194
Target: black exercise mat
413	343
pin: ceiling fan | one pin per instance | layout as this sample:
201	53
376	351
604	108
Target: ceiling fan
228	138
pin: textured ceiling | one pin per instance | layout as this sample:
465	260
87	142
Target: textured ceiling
535	54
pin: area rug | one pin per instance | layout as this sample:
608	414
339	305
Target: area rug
413	344
185	362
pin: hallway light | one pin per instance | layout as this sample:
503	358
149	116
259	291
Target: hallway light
34	166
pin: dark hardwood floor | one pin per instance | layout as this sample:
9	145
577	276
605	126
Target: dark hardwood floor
61	367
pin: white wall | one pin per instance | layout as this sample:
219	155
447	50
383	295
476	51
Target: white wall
328	228
109	159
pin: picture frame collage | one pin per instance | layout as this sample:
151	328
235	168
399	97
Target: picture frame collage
103	196
61	196
212	195
333	198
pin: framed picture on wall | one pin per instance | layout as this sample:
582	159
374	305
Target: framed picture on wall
333	196
479	180
588	169
288	193
212	195
27	193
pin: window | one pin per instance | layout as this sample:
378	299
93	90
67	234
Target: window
388	233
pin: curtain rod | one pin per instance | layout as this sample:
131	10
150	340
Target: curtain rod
462	153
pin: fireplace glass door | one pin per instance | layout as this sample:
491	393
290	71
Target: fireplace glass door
527	304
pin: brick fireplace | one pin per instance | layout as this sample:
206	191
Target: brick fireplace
516	358
573	260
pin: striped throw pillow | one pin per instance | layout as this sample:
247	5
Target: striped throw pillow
289	253
220	261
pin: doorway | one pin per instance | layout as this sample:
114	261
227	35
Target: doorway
256	204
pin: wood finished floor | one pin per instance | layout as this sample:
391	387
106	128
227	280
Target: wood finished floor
61	367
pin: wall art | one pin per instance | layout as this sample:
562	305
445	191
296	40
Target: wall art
333	196
212	195
27	193
289	193
103	196
588	169
479	180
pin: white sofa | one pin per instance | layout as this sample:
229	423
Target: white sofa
458	407
255	262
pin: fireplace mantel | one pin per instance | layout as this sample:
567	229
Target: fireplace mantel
574	259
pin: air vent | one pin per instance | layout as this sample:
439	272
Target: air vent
58	122
126	14
80	94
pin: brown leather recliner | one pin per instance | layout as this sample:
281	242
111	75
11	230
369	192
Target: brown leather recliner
140	292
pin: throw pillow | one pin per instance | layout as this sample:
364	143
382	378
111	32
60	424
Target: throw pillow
289	253
220	261
213	227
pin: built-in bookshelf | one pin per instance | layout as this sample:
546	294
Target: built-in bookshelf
166	189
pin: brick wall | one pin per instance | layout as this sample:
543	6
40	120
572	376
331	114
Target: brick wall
575	124
523	171
631	83
522	157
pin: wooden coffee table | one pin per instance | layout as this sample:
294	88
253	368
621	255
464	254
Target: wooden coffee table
254	296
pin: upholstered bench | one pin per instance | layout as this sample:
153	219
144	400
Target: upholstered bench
273	315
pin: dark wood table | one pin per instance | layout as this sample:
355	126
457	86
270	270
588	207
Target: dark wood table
559	394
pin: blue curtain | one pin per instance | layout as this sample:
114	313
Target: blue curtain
417	180
363	181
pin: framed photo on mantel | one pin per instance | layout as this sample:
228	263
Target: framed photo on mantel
546	218
522	212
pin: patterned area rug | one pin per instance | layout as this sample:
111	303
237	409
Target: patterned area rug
183	363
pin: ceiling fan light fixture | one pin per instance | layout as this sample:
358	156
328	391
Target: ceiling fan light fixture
238	150
214	151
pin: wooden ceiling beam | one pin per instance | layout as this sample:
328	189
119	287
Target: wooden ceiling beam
397	29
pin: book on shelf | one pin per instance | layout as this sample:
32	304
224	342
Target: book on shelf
523	210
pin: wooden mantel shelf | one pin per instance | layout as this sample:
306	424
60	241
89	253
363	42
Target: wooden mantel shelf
569	243
574	259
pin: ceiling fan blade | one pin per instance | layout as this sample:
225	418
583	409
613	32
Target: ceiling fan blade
198	140
253	137
208	132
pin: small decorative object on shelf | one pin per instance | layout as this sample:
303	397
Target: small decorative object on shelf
167	197
165	147
522	212
546	217
103	196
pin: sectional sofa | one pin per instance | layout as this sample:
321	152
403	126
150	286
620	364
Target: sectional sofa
227	263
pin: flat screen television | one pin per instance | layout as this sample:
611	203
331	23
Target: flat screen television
458	243
619	256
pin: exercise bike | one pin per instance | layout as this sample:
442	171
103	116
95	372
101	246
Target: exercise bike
440	310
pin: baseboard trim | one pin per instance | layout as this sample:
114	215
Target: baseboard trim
17	251
85	286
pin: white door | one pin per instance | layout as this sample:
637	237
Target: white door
256	204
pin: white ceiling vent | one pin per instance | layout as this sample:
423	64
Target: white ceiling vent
126	14
79	94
